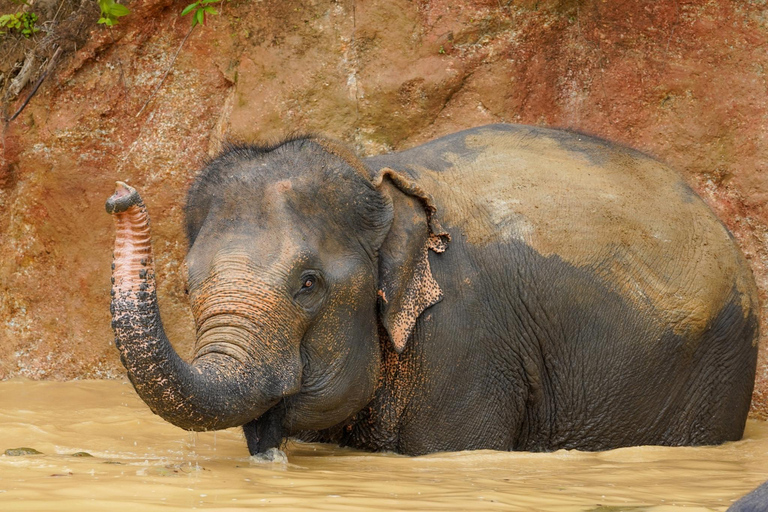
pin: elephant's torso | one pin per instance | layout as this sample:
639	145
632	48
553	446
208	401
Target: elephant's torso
589	294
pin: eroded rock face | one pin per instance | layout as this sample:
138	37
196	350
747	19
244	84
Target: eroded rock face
682	81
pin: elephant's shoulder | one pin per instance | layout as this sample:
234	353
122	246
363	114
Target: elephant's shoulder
627	218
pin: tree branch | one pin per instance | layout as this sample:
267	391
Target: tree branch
37	84
157	88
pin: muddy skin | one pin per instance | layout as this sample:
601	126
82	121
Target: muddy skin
506	287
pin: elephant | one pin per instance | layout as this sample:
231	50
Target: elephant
506	287
755	501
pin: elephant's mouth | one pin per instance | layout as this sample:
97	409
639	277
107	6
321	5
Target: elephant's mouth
267	430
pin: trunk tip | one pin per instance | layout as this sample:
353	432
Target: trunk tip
124	197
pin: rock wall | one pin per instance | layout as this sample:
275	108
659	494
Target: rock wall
682	80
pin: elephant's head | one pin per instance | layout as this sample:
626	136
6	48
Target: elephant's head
297	255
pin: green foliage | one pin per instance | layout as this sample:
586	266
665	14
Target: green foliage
200	9
111	11
20	23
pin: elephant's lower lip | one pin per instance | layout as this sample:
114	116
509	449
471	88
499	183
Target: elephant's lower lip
267	430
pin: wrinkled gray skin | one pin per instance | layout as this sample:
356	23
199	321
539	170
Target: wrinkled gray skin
506	287
756	501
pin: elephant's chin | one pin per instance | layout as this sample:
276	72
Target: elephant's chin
305	412
284	419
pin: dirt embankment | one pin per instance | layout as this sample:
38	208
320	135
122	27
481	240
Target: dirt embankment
684	81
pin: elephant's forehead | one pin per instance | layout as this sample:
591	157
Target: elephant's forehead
263	199
267	186
274	219
624	215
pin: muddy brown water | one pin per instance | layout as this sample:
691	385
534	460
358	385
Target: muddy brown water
139	462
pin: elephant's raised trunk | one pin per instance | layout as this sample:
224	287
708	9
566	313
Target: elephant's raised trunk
216	391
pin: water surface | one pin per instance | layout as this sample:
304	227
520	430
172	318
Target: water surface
140	462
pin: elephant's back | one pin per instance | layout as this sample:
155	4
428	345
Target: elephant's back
618	213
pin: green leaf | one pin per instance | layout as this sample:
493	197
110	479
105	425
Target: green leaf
102	21
210	10
118	10
189	8
206	2
200	17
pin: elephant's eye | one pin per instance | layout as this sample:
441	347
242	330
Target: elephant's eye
309	283
310	294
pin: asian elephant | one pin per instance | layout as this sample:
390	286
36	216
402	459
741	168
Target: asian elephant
755	501
506	287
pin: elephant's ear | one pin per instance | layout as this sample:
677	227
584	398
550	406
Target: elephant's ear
406	285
